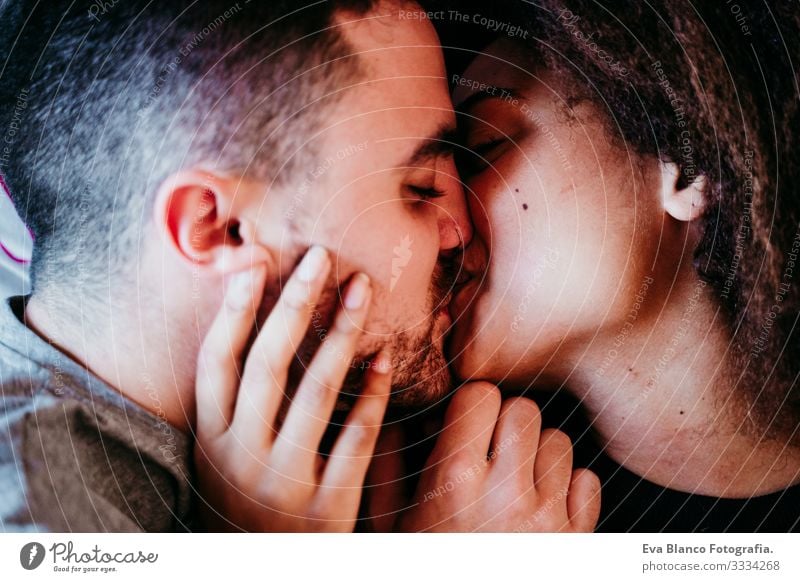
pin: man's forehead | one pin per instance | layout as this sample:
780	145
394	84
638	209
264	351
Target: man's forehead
388	24
402	99
401	137
385	38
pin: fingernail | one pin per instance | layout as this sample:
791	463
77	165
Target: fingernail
382	363
313	264
357	292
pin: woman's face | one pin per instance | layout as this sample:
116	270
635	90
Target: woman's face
564	219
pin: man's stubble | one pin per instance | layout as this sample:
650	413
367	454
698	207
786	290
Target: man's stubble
421	375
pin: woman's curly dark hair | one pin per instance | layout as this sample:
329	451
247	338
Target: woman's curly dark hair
711	86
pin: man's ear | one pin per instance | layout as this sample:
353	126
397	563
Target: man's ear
684	202
200	215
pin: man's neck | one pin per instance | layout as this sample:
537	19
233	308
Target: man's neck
133	356
668	411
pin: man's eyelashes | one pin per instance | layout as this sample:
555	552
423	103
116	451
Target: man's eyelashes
429	193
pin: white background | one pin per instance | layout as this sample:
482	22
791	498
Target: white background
403	557
11	276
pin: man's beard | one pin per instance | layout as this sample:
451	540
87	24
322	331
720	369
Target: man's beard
420	376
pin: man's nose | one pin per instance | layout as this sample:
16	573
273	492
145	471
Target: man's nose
455	226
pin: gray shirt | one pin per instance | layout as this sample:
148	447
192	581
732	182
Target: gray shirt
76	455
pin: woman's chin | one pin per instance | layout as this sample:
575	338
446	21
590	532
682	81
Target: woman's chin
470	363
476	352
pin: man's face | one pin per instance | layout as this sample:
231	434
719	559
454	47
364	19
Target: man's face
386	200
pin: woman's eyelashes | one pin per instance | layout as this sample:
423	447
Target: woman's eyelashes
486	148
478	157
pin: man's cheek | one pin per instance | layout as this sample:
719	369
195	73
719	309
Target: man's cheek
409	304
381	320
364	249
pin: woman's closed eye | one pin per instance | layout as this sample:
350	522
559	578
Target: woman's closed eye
488	149
479	157
488	129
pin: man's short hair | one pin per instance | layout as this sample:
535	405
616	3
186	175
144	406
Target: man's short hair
103	100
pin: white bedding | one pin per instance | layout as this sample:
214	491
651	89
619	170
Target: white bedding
15	249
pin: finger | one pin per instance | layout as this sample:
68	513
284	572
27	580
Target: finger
553	466
516	437
267	366
219	362
583	503
468	425
347	467
311	409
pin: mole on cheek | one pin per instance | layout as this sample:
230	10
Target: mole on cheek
524	206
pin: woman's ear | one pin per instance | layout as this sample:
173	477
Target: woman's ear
198	215
684	202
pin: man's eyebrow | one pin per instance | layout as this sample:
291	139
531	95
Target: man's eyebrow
441	143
